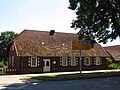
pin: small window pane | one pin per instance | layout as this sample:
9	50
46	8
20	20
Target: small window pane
47	63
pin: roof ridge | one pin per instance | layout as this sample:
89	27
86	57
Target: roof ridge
47	31
30	30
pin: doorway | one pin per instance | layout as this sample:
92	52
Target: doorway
46	67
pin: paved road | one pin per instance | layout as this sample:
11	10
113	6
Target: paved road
109	83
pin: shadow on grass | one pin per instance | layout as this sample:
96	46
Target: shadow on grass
75	76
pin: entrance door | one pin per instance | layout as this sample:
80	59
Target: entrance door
46	67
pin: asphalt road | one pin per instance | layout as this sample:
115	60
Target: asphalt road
109	83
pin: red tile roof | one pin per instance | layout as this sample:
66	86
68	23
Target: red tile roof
114	51
40	43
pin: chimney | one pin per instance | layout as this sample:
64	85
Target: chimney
52	32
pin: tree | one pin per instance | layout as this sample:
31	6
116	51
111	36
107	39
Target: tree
98	19
5	38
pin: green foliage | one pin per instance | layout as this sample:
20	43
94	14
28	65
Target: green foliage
109	60
2	64
112	65
95	17
5	38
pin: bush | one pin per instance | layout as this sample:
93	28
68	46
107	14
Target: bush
109	60
2	65
112	65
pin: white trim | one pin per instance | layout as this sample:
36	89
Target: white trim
16	49
97	61
73	61
35	61
66	61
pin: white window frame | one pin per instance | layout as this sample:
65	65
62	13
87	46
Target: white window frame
35	62
97	61
66	61
73	61
87	63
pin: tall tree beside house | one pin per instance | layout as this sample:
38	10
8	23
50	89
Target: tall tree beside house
98	19
5	38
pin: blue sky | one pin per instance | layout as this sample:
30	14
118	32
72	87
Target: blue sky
43	15
17	15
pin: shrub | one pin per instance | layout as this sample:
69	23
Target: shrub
2	65
112	65
109	60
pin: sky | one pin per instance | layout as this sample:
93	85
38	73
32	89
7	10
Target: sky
42	15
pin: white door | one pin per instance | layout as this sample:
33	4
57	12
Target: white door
46	67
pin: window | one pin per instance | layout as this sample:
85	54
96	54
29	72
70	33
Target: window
64	61
87	61
47	63
33	62
73	61
12	61
97	61
13	47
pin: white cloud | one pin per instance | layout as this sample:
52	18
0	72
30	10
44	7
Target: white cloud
114	42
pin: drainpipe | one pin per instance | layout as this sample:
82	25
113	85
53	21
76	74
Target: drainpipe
80	61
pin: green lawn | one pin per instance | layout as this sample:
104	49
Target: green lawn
55	77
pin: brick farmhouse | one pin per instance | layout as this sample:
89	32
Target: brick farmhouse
37	51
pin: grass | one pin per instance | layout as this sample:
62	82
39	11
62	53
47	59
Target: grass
55	77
